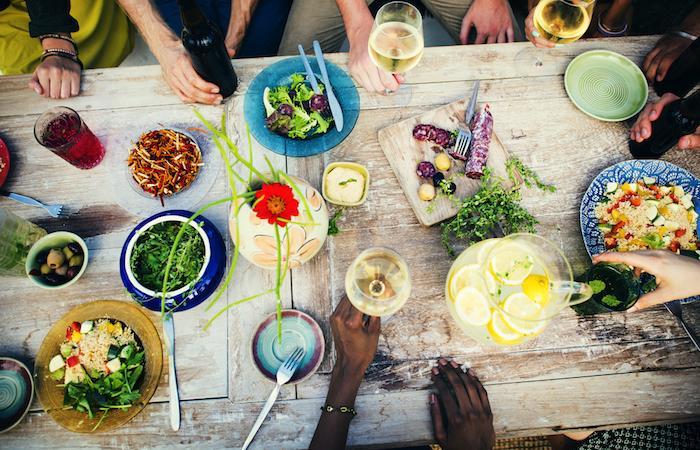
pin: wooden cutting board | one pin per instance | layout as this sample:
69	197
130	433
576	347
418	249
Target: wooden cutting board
404	153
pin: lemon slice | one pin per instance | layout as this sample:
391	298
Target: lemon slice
501	332
537	288
467	276
266	102
522	314
484	249
473	307
511	264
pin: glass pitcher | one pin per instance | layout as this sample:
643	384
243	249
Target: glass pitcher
505	291
17	236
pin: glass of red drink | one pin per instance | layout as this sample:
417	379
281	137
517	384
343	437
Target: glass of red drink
62	131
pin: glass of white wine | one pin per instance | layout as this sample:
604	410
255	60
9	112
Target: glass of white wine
563	21
396	41
378	282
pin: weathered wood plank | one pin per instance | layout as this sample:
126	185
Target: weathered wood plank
541	407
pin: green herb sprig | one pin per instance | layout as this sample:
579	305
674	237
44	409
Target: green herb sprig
333	222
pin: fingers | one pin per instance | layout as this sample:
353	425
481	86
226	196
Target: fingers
446	397
480	38
644	259
438	421
466	28
35	85
648	60
651	72
374	324
388	80
399	78
54	82
483	395
653	298
464	398
502	37
534	36
353	316
691	141
75	85
664	65
510	34
65	87
193	86
198	82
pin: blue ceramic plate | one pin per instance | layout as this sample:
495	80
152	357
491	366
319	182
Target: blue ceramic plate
629	172
186	297
16	392
298	330
278	74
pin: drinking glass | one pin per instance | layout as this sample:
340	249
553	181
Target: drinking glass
615	288
378	282
563	21
17	236
396	41
62	131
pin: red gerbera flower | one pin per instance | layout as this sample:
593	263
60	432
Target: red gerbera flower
275	201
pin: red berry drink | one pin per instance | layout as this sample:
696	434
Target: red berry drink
62	131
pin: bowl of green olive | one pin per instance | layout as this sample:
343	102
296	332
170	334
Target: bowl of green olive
57	260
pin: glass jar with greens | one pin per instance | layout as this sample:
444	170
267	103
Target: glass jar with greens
17	236
615	288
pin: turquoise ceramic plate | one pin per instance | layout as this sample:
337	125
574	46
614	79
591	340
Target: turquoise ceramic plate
298	330
606	85
16	392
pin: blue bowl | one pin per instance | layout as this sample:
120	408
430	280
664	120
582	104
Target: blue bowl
16	392
186	297
277	74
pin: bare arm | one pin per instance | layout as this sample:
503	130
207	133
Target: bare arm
167	48
241	14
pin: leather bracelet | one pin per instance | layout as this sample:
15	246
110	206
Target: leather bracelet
60	50
340	409
609	33
683	34
61	37
62	54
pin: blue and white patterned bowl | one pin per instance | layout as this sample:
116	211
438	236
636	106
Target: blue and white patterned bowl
209	276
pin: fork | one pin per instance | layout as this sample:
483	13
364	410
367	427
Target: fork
675	308
284	374
54	210
464	138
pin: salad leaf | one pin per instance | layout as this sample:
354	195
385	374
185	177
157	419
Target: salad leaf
321	121
653	240
611	301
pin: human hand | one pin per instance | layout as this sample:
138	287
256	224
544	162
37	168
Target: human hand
234	38
355	337
460	410
56	77
183	79
533	35
663	55
492	21
641	129
676	275
361	66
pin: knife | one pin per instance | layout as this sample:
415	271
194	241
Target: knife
336	111
469	115
169	330
674	308
309	73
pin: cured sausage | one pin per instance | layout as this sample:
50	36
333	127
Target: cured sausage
482	128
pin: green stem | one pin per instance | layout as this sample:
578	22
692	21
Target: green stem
302	224
278	283
299	193
236	303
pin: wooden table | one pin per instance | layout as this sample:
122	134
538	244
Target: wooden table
582	373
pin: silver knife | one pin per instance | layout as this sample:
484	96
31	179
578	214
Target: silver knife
169	330
336	111
309	73
469	115
674	308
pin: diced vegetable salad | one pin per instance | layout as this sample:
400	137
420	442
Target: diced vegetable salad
644	215
100	364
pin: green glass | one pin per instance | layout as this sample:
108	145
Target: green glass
17	236
615	288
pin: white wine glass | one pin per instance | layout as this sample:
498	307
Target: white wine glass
396	42
563	21
378	282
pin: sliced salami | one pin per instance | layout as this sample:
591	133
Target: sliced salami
482	128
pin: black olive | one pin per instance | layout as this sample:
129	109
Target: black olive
75	248
35	273
450	188
72	272
53	279
437	179
41	257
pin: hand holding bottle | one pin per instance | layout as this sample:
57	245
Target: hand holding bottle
183	79
642	128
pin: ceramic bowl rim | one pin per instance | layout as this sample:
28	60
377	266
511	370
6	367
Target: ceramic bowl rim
348	164
251	345
31	391
39	246
132	241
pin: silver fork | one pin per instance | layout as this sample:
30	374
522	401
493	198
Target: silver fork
674	308
284	374
464	138
53	210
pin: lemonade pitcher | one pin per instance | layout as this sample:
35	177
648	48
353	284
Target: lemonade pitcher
505	291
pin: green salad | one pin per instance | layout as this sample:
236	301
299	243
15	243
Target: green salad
150	255
295	111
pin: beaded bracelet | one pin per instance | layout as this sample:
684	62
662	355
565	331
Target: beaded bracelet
609	33
62	54
61	37
341	409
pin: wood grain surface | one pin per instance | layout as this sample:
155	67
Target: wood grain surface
581	373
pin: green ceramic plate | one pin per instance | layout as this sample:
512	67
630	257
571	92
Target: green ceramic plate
606	85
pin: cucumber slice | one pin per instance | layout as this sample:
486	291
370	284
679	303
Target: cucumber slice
86	327
58	374
126	352
56	363
652	213
66	349
113	352
610	187
649	180
678	190
605	228
660	220
114	365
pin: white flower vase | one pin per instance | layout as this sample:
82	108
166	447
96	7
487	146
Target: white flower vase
300	241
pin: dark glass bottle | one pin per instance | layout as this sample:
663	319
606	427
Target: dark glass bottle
203	41
677	119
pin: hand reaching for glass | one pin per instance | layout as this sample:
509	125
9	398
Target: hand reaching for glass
676	275
460	410
355	336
